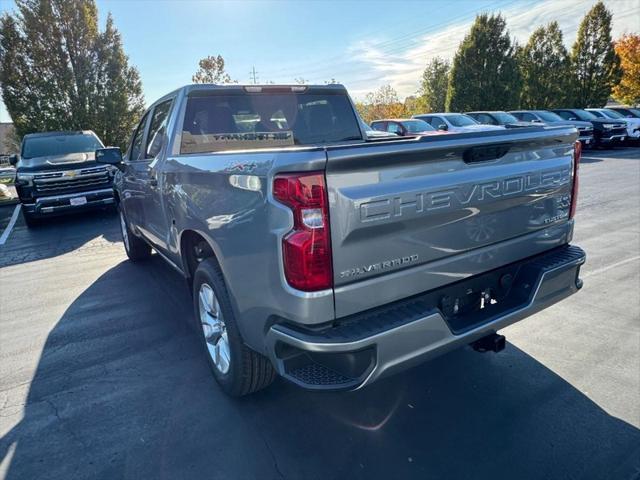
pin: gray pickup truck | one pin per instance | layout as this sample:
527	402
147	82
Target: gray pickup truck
332	259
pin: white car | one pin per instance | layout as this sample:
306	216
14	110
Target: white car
633	124
455	122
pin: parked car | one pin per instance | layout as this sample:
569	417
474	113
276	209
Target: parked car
497	118
633	124
585	129
454	122
56	173
335	261
605	132
627	112
405	127
372	134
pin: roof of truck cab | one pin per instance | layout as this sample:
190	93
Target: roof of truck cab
59	133
249	88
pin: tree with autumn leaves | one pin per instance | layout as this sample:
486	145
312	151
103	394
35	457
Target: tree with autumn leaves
383	103
628	89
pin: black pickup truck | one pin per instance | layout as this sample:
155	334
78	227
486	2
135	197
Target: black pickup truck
56	173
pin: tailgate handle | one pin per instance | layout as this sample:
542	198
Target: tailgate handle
485	153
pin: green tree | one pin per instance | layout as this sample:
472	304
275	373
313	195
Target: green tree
412	106
433	86
211	70
484	73
545	69
594	62
58	71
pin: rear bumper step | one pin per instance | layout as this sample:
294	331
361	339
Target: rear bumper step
362	348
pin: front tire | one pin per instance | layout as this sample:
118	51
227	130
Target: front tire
30	220
237	369
136	248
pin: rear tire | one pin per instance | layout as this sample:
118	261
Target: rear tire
238	369
136	248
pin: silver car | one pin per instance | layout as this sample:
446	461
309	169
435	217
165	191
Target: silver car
455	123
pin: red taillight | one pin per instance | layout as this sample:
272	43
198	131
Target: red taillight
307	248
577	153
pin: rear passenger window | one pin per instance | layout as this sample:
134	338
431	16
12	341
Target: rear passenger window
136	143
158	128
393	127
484	118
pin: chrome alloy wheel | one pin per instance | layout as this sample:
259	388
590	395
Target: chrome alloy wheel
214	328
123	227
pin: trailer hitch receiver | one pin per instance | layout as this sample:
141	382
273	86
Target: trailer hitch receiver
490	343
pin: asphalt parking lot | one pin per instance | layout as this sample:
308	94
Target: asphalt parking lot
101	376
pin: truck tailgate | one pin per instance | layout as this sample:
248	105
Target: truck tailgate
412	215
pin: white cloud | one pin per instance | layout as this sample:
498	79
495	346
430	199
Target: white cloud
381	63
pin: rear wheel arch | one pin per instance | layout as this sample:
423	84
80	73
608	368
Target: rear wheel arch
194	248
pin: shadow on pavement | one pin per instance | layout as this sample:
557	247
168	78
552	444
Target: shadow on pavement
122	391
591	160
58	235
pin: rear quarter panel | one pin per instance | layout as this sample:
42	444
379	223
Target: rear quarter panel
226	198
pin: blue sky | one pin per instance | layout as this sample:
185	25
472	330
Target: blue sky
361	44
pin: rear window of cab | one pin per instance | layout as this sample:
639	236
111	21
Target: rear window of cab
220	122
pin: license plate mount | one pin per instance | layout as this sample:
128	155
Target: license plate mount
77	201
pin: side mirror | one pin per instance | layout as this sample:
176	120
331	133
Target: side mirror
573	119
443	126
629	116
536	120
13	159
109	156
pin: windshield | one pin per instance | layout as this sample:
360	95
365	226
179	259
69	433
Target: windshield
217	122
583	115
415	126
612	113
549	116
49	145
504	117
461	120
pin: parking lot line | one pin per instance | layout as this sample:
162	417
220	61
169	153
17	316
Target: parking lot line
12	222
609	267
